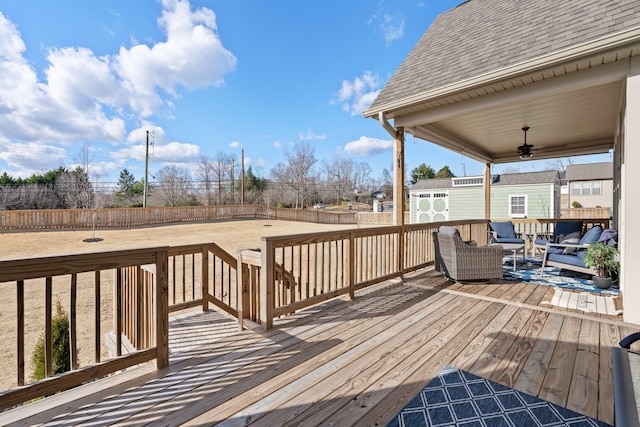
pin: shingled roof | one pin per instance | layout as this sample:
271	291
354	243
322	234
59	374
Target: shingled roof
480	36
589	171
528	178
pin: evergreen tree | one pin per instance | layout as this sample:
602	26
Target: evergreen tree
445	172
61	357
422	172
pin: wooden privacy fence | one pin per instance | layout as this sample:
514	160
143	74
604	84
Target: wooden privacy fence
140	217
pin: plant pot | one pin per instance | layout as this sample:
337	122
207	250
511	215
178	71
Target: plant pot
602	282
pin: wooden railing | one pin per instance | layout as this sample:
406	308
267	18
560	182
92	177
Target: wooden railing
71	275
287	274
293	272
198	275
140	217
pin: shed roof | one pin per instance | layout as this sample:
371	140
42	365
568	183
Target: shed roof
480	36
528	178
589	171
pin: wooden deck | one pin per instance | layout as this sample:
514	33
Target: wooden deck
359	362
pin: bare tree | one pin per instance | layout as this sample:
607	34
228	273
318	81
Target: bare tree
85	193
174	185
560	164
220	169
298	172
205	172
339	172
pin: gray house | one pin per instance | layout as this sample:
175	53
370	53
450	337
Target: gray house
591	185
516	195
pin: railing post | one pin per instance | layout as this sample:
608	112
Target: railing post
351	259
267	281
401	249
162	308
204	274
240	279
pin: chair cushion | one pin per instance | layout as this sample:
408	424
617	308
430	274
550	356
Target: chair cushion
591	236
567	227
567	259
509	240
503	229
448	231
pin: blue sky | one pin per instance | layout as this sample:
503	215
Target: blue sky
204	76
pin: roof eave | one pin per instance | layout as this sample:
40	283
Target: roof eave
574	53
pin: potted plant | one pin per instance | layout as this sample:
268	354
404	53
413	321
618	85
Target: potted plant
605	259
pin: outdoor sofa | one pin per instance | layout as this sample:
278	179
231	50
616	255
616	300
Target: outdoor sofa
569	253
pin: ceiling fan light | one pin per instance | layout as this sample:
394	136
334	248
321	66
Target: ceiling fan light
525	156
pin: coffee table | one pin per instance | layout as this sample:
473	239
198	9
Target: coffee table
512	248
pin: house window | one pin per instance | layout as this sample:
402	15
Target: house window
518	206
586	188
575	188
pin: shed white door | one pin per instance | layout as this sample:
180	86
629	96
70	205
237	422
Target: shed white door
433	207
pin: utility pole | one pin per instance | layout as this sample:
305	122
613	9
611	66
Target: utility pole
242	189
146	174
233	192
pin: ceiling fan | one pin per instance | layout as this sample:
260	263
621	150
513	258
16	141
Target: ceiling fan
526	150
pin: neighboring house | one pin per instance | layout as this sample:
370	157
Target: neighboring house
378	195
517	195
591	185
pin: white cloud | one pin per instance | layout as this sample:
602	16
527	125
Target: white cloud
191	57
356	96
277	144
84	97
310	135
259	162
235	144
390	24
367	146
172	152
30	158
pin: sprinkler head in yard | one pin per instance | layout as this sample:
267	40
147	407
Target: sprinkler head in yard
93	239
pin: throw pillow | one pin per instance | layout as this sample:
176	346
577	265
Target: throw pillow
571	239
591	236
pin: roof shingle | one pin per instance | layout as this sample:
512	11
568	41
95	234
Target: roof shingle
479	36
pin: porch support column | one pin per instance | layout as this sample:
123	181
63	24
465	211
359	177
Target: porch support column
398	171
629	226
487	191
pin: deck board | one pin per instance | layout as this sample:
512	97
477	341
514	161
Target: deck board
359	362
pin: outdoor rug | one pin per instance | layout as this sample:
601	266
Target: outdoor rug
584	301
529	272
458	398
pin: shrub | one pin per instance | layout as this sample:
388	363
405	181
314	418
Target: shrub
576	204
60	347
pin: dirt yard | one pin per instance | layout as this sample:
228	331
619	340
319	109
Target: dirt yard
231	236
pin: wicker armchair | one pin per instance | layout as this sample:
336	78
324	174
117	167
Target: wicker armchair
461	261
